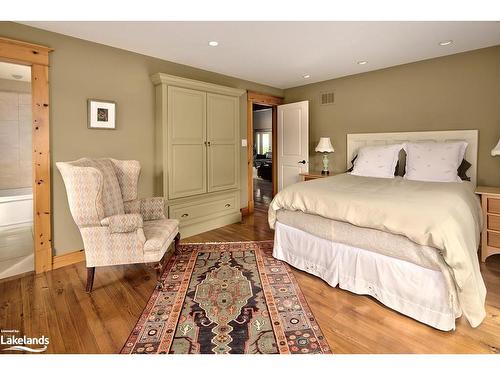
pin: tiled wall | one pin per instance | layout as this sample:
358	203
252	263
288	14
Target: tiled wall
15	140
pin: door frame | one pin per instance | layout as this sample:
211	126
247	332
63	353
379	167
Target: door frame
37	57
273	102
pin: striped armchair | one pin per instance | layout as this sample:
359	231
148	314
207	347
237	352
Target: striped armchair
116	227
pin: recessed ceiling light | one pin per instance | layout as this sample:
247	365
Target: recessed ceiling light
362	62
213	43
306	76
446	43
17	76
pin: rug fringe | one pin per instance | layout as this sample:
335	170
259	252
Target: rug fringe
224	242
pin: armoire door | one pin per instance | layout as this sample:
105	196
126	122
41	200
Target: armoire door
187	155
223	142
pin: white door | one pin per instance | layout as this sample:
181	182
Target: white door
293	142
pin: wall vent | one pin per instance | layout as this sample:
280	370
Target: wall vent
326	98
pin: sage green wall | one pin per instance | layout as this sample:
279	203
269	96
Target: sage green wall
80	70
460	91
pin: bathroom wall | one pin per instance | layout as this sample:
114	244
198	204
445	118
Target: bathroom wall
15	135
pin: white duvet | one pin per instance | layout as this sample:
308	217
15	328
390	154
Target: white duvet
446	216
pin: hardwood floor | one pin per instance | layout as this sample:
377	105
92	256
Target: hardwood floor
55	305
262	195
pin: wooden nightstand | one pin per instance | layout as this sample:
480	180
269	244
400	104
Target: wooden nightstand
314	175
490	237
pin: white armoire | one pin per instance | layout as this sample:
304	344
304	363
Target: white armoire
197	154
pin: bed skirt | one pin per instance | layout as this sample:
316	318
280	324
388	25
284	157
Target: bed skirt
410	289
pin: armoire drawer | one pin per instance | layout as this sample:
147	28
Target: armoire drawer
207	207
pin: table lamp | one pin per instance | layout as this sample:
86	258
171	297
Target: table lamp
325	146
496	150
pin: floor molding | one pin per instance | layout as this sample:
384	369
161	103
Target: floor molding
19	276
63	260
244	211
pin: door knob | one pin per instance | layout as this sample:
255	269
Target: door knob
302	162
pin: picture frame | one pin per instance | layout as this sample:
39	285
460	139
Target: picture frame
101	114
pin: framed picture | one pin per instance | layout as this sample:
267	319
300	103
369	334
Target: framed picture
101	114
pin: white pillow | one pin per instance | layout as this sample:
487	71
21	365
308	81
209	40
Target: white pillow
434	161
377	161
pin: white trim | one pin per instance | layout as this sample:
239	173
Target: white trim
355	141
167	79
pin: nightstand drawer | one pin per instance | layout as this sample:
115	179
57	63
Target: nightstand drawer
494	205
205	208
494	222
494	239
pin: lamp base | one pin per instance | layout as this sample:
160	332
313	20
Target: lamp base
325	170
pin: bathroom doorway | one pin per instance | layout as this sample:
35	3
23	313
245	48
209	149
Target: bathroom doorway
16	171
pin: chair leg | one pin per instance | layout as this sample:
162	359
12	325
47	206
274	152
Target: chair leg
177	239
159	271
158	267
90	279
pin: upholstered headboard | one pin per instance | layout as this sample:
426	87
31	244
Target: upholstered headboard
355	141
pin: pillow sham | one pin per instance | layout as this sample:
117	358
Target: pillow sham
377	161
434	161
398	171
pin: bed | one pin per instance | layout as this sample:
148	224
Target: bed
412	245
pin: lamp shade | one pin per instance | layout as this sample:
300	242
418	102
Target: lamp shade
324	145
496	150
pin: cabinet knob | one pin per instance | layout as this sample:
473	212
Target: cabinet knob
227	205
184	215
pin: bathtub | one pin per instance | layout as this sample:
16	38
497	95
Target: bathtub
16	206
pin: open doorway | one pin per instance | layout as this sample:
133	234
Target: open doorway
16	193
262	156
261	151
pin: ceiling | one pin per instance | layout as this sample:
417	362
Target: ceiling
279	54
7	71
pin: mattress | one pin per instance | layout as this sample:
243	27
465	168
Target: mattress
364	238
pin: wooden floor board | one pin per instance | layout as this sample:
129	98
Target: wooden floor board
55	305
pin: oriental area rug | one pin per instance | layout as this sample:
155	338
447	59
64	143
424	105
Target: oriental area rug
227	298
